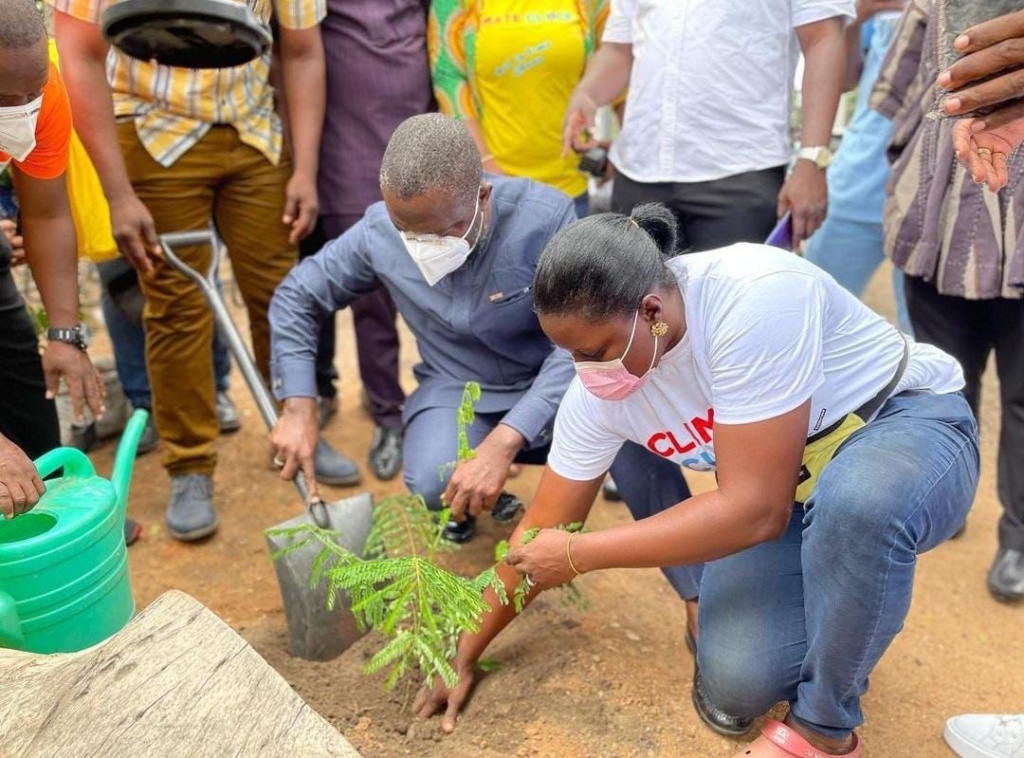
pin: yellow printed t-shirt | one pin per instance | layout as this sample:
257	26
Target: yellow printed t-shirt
512	66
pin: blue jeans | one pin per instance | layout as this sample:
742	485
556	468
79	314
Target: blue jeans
128	339
582	205
851	251
807	617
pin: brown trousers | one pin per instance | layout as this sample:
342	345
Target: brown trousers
235	185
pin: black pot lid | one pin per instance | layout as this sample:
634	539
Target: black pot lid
186	33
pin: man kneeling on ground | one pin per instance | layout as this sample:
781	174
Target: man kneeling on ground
457	252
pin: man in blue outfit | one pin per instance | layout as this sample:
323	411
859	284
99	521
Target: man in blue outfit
849	243
457	252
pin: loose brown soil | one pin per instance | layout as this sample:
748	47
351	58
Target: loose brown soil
610	681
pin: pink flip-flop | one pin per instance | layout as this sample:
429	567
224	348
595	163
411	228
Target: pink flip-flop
779	741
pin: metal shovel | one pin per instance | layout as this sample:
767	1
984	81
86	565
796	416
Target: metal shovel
314	632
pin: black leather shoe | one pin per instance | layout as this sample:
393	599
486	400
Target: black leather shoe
460	531
506	508
386	452
717	720
1006	578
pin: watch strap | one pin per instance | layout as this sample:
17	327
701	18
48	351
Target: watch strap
814	155
69	335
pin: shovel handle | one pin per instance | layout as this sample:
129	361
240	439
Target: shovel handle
227	327
235	343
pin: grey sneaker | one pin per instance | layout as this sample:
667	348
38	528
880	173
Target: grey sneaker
334	468
190	514
325	408
227	414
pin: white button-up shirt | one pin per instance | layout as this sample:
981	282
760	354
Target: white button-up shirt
709	93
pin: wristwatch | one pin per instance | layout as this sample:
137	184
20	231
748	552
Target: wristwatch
819	156
80	336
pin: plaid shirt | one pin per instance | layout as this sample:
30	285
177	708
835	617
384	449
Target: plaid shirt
173	108
939	224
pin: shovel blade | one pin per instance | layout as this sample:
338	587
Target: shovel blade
314	633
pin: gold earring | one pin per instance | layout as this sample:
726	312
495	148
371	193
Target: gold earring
659	329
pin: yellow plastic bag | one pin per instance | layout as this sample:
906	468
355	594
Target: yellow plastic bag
89	207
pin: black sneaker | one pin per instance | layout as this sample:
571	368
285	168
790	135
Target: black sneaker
460	531
610	490
506	508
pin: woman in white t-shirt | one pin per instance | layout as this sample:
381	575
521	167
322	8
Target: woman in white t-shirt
842	452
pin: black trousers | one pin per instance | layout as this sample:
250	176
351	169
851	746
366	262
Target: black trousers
970	330
739	208
27	418
374	319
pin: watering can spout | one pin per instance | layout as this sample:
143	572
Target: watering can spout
121	477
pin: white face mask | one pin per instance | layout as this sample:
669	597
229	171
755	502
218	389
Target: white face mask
18	128
435	255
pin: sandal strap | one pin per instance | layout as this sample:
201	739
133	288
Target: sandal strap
781	735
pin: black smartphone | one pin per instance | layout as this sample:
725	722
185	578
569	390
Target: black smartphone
595	162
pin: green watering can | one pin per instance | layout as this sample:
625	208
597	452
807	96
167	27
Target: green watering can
63	565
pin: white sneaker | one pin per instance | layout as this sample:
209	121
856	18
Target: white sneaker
986	736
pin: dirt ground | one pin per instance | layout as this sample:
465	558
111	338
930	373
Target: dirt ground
610	681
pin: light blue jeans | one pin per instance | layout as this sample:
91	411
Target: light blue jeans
807	617
581	204
851	251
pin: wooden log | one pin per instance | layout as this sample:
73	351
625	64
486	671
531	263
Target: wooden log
177	681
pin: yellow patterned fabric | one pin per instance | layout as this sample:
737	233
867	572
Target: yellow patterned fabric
173	108
511	66
89	210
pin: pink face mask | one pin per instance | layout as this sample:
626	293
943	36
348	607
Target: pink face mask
611	380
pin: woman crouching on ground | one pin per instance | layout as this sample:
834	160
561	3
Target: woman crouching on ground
842	452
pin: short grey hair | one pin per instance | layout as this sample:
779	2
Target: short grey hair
21	24
427	152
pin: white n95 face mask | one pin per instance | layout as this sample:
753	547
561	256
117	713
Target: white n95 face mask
435	255
18	128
